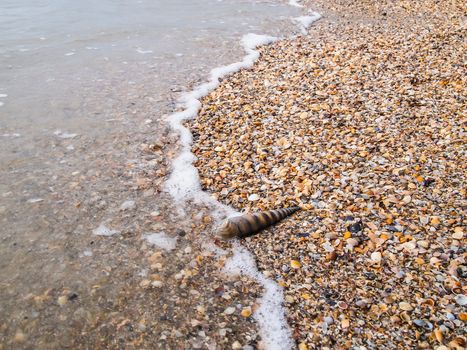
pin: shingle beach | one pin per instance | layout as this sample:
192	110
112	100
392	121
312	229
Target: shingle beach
361	123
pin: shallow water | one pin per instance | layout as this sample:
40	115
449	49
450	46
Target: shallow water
84	90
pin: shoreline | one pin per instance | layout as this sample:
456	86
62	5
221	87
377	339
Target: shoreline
348	263
183	185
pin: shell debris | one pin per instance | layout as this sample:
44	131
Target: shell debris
361	123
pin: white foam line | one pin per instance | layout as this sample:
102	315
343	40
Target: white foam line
304	22
270	315
184	183
184	186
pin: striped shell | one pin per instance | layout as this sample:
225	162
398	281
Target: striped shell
249	224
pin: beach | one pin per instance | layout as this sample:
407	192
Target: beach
113	190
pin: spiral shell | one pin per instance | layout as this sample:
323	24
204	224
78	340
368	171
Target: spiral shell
249	224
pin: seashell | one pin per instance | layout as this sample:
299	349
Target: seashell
249	224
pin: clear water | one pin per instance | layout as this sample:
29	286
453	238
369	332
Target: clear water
54	54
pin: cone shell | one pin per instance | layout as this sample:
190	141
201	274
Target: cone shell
249	224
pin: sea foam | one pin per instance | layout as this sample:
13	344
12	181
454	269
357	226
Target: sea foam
270	315
295	3
184	183
304	22
161	240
